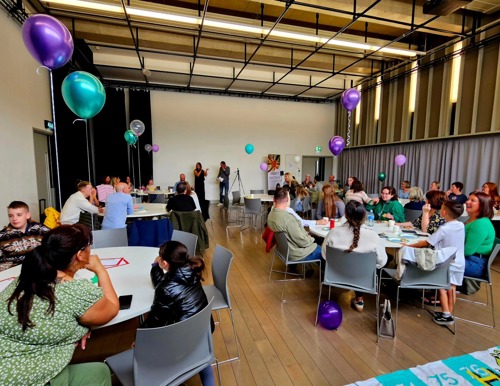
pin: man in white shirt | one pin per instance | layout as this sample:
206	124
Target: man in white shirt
78	202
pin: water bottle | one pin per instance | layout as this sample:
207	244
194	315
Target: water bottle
371	219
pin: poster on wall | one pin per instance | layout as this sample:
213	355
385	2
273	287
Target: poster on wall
274	173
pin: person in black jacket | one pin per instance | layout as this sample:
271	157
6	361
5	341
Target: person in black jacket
181	202
178	292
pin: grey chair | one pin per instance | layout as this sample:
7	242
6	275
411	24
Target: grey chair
227	208
488	279
282	251
157	199
106	238
221	263
256	191
412	214
188	239
415	278
463	219
353	271
167	355
252	210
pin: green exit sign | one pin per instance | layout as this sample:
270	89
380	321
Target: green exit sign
49	125
318	149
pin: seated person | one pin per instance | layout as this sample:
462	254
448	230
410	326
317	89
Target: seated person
308	181
79	202
301	193
451	234
20	236
351	237
430	219
435	185
129	183
292	184
455	193
119	205
176	277
331	206
301	245
181	202
182	178
150	187
47	310
416	197
356	193
479	234
490	188
104	190
387	206
193	195
404	191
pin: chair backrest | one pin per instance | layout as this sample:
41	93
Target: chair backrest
163	354
188	239
306	204
282	249
414	277
157	198
253	205
106	238
351	270
412	214
493	255
463	218
236	197
256	191
221	263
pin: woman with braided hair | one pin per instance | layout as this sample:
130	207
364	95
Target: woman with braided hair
352	237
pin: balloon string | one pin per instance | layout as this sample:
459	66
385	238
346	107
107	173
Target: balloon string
80	119
348	128
37	70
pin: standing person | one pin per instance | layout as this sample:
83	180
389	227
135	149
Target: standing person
119	206
223	178
199	181
19	237
351	237
179	295
104	190
292	184
45	312
79	202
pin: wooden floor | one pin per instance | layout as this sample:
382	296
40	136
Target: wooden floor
280	345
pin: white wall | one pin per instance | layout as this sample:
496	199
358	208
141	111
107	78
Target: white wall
192	128
24	104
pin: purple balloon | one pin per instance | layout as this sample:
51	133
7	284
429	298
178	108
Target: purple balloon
263	166
330	315
400	160
155	148
47	40
350	99
336	145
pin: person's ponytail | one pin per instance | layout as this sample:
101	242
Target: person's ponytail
197	265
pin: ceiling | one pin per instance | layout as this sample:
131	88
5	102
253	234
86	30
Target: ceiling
305	50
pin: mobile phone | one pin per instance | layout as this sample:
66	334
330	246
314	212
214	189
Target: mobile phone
125	302
383	235
409	231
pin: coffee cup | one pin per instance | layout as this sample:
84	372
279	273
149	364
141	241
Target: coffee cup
251	196
326	218
391	223
396	229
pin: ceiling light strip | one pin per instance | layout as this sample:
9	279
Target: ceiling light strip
232	26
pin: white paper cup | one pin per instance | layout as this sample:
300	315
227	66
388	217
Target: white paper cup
396	229
326	218
391	223
251	196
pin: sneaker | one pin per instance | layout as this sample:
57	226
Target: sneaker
220	204
443	320
357	305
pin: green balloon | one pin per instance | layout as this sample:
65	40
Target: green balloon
130	137
83	93
381	176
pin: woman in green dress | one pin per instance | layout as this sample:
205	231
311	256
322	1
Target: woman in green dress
45	312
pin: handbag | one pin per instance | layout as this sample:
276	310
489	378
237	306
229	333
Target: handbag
387	329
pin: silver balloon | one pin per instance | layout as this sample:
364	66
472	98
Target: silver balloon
137	127
148	147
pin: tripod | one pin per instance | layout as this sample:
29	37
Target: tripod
240	183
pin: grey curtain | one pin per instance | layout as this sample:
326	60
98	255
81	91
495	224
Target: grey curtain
471	160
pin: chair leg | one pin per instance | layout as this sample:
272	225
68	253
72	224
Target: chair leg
235	341
319	301
218	372
284	284
489	298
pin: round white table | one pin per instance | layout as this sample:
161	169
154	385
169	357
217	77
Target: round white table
379	227
149	210
263	197
128	279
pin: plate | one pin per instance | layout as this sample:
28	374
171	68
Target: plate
394	239
408	236
326	228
